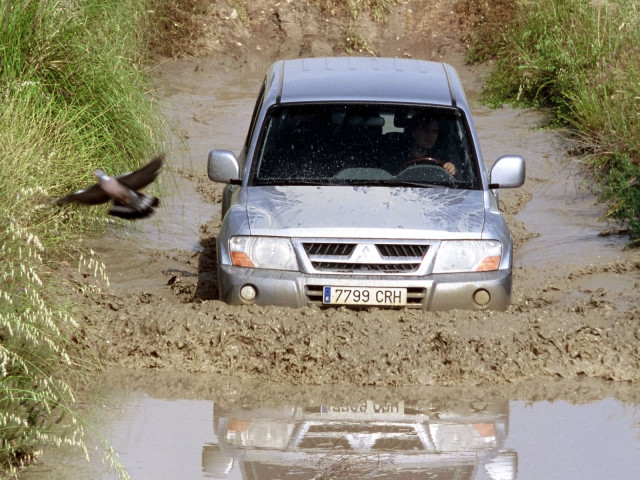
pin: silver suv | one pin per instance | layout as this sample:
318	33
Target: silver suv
361	183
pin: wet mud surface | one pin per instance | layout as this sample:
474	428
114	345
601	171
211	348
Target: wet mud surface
575	310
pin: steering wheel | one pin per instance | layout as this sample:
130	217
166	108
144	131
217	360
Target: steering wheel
424	160
426	169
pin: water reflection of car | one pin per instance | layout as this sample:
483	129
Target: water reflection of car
327	204
366	440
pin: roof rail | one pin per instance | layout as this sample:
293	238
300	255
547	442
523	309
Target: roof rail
451	91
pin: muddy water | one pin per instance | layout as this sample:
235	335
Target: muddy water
168	426
205	108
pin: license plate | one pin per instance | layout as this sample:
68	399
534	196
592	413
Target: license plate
364	296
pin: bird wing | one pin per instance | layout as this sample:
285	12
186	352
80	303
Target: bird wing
92	195
143	176
136	180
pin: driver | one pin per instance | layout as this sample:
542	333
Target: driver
423	132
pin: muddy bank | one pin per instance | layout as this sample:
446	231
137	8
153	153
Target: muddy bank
575	309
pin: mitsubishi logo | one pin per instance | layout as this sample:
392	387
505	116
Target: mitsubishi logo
366	253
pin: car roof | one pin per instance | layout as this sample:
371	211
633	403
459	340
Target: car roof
370	79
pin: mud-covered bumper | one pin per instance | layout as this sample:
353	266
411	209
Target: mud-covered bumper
465	291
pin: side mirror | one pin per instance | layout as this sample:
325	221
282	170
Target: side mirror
223	167
507	172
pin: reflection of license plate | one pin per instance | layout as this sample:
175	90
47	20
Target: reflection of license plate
364	296
367	406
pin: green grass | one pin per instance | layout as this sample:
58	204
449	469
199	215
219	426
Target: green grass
74	96
582	61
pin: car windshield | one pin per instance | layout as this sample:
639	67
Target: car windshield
365	144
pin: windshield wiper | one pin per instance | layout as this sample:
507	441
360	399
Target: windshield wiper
347	182
285	182
390	183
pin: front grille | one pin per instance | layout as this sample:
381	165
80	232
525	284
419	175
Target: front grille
405	438
365	258
329	249
402	250
325	267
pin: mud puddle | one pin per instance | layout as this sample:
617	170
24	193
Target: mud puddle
206	106
205	109
168	426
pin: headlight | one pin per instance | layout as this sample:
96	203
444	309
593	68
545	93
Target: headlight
259	433
263	252
468	256
463	437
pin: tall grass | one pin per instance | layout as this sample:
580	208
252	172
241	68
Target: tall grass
74	96
582	60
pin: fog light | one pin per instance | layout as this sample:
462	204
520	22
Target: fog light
481	297
248	293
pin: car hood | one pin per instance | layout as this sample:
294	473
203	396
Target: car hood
375	212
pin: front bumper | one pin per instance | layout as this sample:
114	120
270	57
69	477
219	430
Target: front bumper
432	293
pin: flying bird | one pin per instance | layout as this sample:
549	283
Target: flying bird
126	201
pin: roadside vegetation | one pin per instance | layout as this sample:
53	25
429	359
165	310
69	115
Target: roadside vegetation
74	96
581	60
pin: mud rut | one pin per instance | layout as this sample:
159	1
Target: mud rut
575	309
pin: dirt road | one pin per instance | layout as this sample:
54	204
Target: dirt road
575	307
